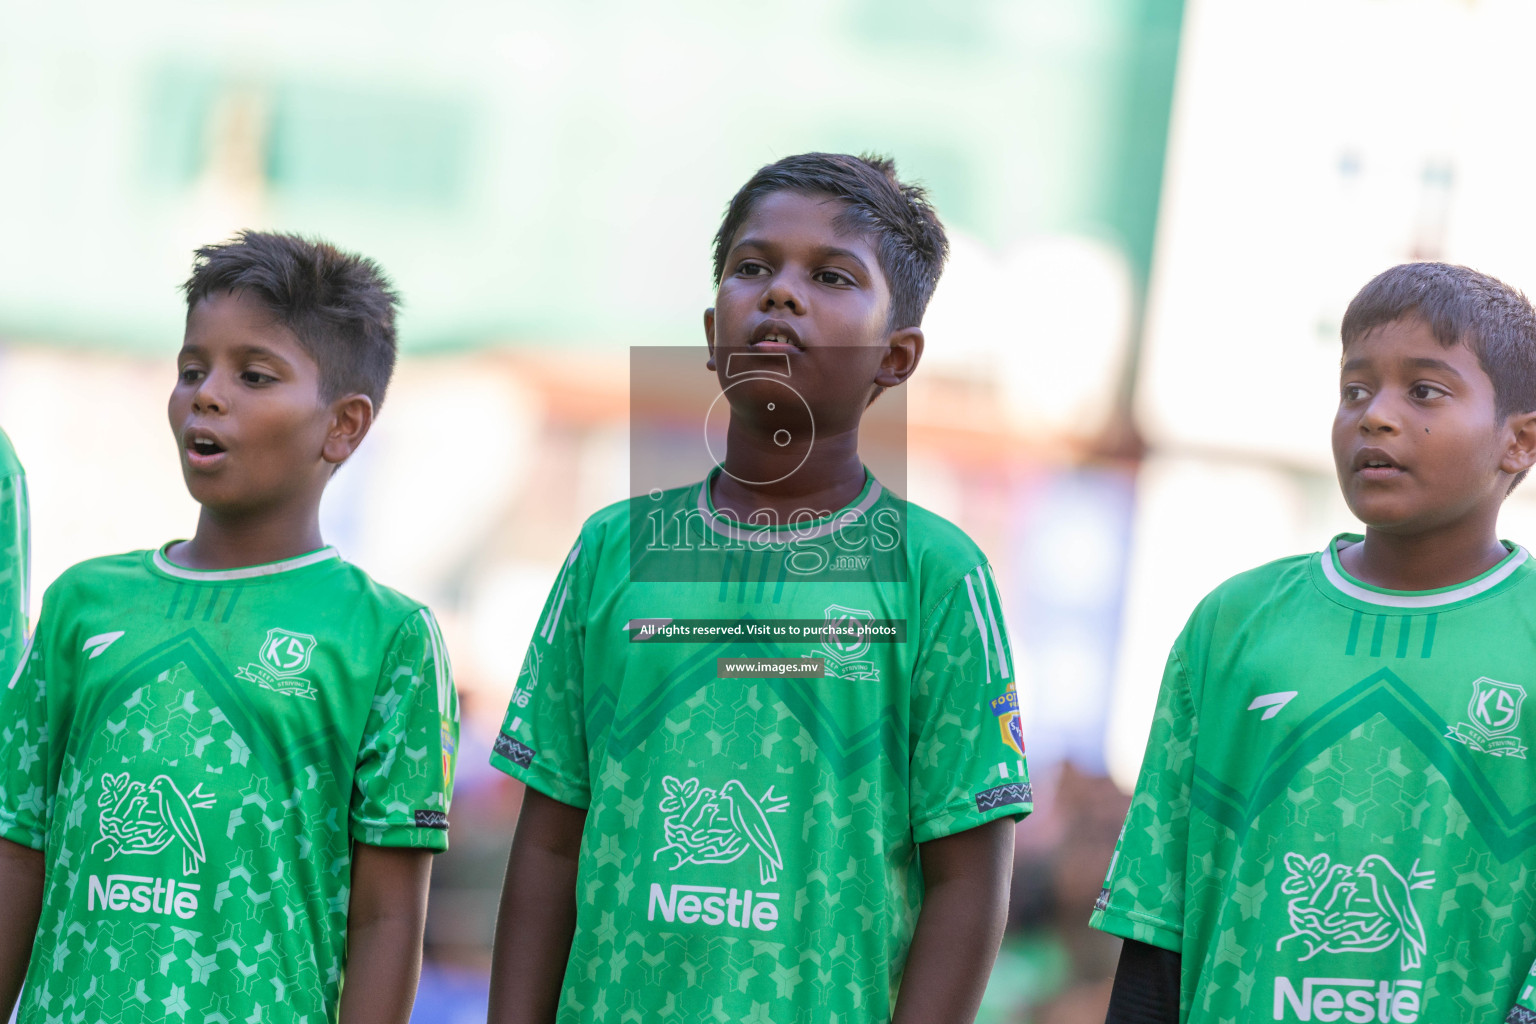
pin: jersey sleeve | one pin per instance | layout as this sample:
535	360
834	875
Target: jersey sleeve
1524	1010
1143	894
543	739
967	745
14	552
27	779
404	780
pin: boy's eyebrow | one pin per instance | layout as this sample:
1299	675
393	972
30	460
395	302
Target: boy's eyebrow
1416	362
825	252
259	351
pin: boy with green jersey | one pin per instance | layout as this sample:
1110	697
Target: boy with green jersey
229	759
14	550
725	821
1336	816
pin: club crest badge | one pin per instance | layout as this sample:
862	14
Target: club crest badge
284	656
1494	711
844	647
1006	708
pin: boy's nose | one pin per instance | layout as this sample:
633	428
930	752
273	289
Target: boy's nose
779	295
207	399
1377	418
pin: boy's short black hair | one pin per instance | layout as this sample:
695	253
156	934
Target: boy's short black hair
339	305
910	241
1460	306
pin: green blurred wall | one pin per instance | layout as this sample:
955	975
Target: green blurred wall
543	174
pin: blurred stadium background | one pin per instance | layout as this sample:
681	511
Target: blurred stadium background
1159	210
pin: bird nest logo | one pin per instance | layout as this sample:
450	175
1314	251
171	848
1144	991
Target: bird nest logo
1336	908
284	656
706	826
136	818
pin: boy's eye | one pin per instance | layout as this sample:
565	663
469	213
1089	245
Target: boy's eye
257	377
1352	392
1425	392
833	277
190	374
751	269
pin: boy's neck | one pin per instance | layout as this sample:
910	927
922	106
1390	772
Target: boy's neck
831	476
1423	561
234	543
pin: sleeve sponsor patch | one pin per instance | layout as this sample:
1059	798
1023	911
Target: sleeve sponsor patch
431	819
1102	903
520	754
1520	1015
997	796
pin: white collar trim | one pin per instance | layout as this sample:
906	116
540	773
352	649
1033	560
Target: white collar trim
726	527
247	572
1408	600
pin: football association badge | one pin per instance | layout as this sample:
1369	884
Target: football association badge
1006	708
284	656
1495	712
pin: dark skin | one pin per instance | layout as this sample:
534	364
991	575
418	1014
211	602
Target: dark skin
1424	461
794	285
1423	458
21	891
245	383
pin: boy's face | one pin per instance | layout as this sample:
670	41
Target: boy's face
796	286
1417	441
254	434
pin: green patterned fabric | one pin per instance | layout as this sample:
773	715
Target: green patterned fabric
14	552
195	753
750	851
1336	816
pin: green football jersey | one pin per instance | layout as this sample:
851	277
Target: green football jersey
750	849
1336	816
14	552
195	753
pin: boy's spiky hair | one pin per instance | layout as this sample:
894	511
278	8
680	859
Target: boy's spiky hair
910	240
1461	307
339	305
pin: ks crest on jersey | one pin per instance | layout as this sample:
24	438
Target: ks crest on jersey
761	832
201	749
1335	804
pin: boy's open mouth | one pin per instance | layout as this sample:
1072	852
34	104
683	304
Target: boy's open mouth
203	448
775	334
1375	464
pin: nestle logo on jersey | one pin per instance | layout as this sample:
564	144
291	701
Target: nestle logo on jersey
1357	1000
714	904
142	894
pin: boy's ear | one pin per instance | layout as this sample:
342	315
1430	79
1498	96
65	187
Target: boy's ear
904	349
1521	453
709	335
351	416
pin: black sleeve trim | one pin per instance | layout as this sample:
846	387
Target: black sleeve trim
1146	986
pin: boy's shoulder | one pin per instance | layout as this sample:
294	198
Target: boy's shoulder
336	579
10	464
